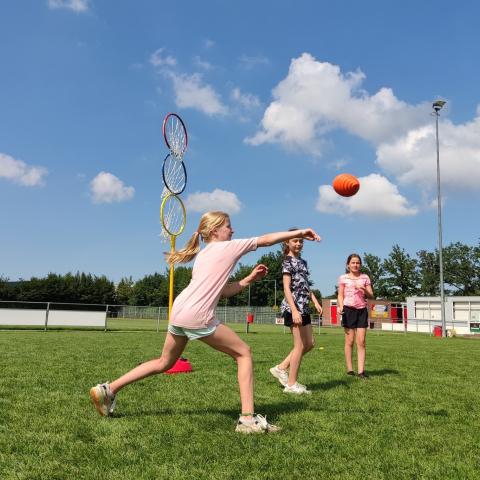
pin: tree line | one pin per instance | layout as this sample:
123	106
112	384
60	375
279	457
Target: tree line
400	275
396	277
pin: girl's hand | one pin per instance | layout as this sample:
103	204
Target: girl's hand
319	308
259	272
309	234
297	318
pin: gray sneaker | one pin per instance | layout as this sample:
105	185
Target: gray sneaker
297	388
103	399
279	374
258	424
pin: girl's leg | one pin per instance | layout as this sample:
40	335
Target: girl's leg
227	341
172	349
285	364
349	339
302	343
361	350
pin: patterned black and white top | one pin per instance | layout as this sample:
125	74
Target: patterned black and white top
299	285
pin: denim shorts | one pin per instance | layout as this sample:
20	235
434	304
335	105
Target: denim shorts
193	333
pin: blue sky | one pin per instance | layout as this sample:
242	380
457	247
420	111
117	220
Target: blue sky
279	97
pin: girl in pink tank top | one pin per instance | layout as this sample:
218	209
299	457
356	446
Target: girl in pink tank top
354	288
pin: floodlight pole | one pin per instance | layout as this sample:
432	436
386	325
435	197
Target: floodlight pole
437	106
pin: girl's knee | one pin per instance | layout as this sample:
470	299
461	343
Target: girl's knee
308	347
243	351
164	363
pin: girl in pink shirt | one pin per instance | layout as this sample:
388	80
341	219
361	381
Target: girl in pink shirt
192	315
353	290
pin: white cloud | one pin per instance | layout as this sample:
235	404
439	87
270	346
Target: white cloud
377	197
412	158
158	59
216	200
316	98
107	188
249	62
208	43
204	65
191	92
19	172
246	100
78	6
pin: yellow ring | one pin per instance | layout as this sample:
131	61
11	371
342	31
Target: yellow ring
162	219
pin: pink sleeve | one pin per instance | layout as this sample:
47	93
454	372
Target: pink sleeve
367	281
240	247
341	280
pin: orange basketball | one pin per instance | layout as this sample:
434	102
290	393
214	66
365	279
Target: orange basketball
346	185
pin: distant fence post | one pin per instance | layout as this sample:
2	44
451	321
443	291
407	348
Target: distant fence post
46	315
158	320
106	316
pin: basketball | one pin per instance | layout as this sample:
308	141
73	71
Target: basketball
346	185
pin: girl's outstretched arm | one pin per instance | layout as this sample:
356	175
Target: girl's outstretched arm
233	288
278	237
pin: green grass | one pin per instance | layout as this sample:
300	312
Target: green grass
416	417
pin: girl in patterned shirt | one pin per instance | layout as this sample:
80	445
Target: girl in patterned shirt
295	312
354	288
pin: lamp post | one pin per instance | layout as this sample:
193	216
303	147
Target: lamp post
437	106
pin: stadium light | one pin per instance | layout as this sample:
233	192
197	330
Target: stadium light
437	106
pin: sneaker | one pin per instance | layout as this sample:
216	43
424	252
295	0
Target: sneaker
362	375
281	375
103	399
351	372
258	424
297	388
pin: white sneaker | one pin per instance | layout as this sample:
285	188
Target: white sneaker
297	388
103	399
258	424
281	375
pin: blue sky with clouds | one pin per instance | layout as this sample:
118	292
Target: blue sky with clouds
278	97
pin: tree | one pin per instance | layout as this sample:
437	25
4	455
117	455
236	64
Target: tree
429	273
151	290
462	267
373	267
6	291
124	291
181	278
401	277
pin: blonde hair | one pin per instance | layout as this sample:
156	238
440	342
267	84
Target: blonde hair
208	223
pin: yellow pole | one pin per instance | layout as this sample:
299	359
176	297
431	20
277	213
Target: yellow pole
172	270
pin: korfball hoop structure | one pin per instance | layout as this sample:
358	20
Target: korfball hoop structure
173	214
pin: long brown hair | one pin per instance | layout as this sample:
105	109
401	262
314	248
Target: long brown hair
352	255
208	223
285	247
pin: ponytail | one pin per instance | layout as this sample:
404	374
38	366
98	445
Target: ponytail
187	253
209	222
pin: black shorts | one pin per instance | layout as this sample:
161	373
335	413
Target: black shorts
288	320
354	317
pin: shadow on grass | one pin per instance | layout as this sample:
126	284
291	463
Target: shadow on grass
382	372
270	409
328	385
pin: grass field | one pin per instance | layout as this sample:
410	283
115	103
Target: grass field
416	417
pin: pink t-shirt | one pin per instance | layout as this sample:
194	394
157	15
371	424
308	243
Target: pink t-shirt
352	296
195	306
